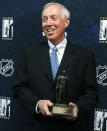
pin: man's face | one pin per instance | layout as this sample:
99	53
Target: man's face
54	24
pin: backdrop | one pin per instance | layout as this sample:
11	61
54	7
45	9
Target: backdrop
20	24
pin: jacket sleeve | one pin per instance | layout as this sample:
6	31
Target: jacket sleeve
21	90
90	92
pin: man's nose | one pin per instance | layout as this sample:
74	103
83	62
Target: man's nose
49	22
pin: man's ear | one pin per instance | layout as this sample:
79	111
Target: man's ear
67	22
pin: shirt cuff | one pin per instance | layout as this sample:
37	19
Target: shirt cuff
37	108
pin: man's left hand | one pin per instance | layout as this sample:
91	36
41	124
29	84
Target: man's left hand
74	111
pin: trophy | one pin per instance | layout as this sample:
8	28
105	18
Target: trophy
61	108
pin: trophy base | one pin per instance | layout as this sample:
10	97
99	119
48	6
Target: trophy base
61	110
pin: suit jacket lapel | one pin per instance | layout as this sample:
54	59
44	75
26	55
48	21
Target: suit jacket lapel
67	62
45	60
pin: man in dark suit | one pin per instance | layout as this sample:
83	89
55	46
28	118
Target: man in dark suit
36	79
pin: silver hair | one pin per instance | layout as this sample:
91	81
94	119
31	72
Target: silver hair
65	11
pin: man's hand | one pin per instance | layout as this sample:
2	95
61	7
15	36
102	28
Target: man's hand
44	107
74	111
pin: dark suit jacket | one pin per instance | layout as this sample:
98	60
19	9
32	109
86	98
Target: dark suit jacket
34	82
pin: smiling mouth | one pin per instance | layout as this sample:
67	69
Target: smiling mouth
50	30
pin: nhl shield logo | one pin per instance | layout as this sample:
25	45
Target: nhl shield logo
101	75
6	67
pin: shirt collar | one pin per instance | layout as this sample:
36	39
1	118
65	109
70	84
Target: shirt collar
60	45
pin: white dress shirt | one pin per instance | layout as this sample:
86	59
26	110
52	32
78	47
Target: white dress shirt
60	47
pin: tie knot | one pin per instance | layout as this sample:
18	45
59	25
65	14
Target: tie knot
54	49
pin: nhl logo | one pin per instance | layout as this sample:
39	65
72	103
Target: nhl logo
5	104
100	120
103	30
6	67
101	75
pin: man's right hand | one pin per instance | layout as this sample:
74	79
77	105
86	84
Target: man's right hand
44	106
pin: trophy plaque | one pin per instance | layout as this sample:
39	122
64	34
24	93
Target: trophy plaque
61	108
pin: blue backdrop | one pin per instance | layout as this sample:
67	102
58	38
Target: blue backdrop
84	29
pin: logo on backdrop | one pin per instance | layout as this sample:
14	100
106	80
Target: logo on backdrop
101	72
7	28
100	120
6	67
103	30
5	107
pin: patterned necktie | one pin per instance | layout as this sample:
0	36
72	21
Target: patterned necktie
54	61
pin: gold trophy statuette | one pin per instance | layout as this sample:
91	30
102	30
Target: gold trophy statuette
61	108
